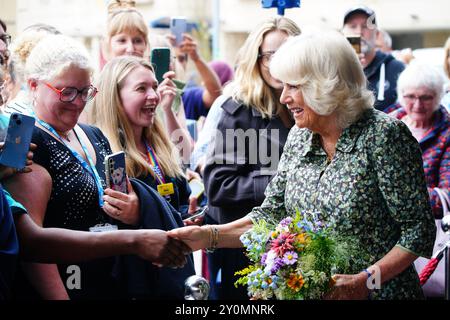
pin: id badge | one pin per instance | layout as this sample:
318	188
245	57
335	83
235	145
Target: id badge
166	189
103	228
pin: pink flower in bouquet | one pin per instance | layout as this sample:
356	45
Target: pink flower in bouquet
284	243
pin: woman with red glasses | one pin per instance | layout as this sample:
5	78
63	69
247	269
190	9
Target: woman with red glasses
66	190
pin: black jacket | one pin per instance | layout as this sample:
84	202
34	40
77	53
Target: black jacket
234	189
140	279
393	68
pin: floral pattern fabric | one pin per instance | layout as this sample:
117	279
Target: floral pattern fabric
373	190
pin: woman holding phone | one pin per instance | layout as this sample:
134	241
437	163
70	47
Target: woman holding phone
127	34
64	194
125	111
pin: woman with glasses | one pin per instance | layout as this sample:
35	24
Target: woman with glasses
420	89
66	189
235	180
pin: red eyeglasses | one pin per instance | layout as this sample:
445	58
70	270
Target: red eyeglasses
69	94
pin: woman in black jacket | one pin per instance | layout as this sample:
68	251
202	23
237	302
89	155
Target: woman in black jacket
247	146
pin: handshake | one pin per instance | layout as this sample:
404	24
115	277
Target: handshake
170	248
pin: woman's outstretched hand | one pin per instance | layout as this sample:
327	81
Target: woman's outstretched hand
194	236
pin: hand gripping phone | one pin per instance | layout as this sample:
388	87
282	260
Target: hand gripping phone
17	141
355	41
198	214
115	171
178	26
160	59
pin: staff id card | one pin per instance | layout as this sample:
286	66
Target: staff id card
166	189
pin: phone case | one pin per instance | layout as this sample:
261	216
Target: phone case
115	171
161	62
178	26
17	141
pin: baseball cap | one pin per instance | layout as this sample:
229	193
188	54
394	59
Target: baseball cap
359	9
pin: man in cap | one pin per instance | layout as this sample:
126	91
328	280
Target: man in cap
381	69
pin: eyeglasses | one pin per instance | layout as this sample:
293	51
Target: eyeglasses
6	38
266	57
411	98
69	94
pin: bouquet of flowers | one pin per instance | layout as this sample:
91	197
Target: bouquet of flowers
295	260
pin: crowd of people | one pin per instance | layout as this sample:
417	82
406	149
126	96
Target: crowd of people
301	122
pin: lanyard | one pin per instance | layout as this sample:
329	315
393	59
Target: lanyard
155	164
88	167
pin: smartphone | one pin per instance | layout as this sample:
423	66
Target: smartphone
198	214
197	188
115	171
355	41
160	59
178	26
17	141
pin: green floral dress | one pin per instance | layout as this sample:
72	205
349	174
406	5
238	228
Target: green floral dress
373	190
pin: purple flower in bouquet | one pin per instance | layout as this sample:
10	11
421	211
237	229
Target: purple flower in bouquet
286	222
264	258
290	258
277	264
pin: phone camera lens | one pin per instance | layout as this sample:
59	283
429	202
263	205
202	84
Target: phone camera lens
19	122
15	116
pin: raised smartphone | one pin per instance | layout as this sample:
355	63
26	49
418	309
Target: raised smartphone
160	59
17	141
355	41
178	26
115	171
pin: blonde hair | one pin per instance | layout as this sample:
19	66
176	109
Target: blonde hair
248	85
108	114
54	54
330	76
21	49
124	17
447	55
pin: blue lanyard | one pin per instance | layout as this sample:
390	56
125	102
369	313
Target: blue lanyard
88	167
